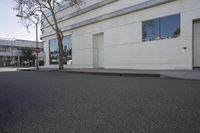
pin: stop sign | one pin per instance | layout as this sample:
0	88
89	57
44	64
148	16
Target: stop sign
37	50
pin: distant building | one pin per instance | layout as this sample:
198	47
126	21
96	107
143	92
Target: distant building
127	34
11	50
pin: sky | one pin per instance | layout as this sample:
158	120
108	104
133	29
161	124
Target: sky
10	26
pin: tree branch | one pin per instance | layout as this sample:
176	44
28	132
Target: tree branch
48	20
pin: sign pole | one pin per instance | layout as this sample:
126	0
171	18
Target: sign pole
37	62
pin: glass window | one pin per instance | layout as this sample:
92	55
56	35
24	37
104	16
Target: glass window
67	49
161	28
151	30
4	48
170	26
53	50
67	46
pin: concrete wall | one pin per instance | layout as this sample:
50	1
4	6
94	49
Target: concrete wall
63	15
123	46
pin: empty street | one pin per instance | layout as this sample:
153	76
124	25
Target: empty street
60	102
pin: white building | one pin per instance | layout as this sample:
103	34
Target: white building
128	34
11	50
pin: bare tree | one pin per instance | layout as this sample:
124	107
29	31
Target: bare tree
32	9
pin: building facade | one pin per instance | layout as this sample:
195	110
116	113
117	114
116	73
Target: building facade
11	51
127	34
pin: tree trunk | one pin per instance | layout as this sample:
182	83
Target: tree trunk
59	35
61	52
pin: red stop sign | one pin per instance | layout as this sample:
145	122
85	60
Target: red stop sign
37	50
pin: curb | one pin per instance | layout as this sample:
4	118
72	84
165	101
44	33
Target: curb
153	75
24	69
115	74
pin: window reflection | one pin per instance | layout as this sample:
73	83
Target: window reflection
67	49
151	30
170	26
53	48
67	42
161	28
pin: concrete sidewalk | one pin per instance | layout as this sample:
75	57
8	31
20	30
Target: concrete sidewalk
182	74
13	69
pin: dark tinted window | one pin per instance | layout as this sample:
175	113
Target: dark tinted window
67	48
161	28
170	26
67	41
150	30
53	51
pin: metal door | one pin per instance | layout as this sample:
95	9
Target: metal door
196	43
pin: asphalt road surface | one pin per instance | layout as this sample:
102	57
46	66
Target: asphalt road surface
55	102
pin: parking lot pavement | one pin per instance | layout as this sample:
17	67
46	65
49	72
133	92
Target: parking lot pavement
57	102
